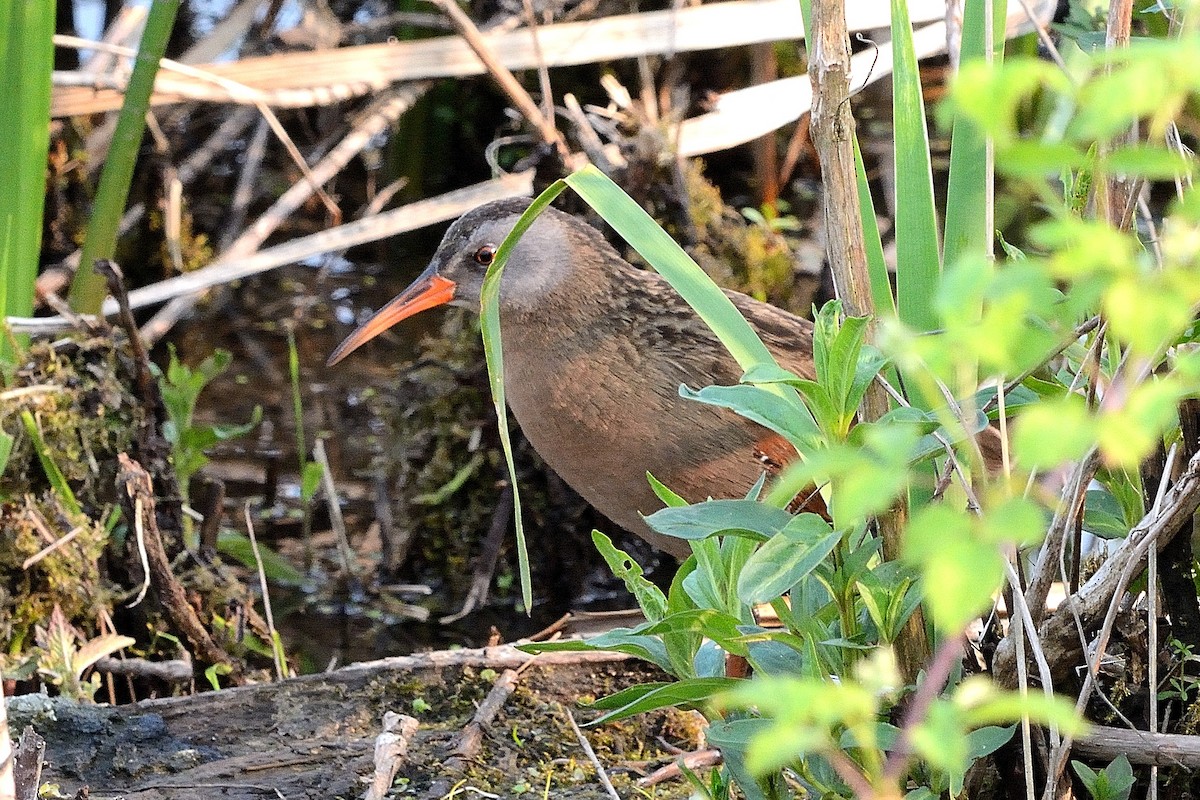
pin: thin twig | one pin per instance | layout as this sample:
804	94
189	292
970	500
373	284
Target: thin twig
471	738
591	754
335	509
280	667
503	76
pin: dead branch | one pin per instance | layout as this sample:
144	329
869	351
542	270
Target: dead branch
1140	747
391	747
27	764
137	501
175	671
692	761
471	738
1058	633
833	135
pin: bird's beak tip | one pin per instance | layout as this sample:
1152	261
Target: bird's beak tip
429	290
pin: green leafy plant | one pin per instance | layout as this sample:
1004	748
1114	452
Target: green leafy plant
65	656
1114	782
181	386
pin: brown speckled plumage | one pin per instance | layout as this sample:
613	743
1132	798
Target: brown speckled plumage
595	351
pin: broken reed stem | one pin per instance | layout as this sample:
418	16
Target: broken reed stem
833	135
471	738
503	76
136	494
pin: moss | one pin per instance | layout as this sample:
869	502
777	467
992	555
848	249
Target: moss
75	392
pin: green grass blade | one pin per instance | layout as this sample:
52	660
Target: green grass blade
27	59
646	237
881	284
489	315
968	197
53	474
918	263
88	288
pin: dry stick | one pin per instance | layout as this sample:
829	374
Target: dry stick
1119	192
588	138
1141	747
543	72
1045	571
1112	578
25	763
237	91
136	494
485	567
247	185
335	509
591	754
192	166
50	548
669	772
277	655
504	77
385	111
833	134
177	670
391	746
471	738
1152	620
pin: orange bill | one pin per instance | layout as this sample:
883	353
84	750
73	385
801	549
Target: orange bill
429	290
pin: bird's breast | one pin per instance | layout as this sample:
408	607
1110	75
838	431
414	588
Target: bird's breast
603	412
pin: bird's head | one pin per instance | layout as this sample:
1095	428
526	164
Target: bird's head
538	264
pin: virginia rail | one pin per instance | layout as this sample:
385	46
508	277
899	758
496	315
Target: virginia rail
594	353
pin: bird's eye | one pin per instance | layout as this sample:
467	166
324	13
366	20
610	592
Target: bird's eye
485	255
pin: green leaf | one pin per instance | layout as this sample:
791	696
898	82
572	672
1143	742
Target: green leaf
732	738
1103	515
618	640
918	255
310	480
1053	431
682	646
1146	160
986	704
663	493
1114	782
960	572
54	475
447	489
688	693
489	323
699	521
881	281
667	258
6	445
786	559
789	419
278	569
649	597
969	183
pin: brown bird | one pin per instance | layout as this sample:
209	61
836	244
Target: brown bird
594	353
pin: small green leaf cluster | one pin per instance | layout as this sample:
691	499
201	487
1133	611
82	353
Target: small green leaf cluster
181	386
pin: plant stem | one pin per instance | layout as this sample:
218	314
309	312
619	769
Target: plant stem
88	288
833	135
